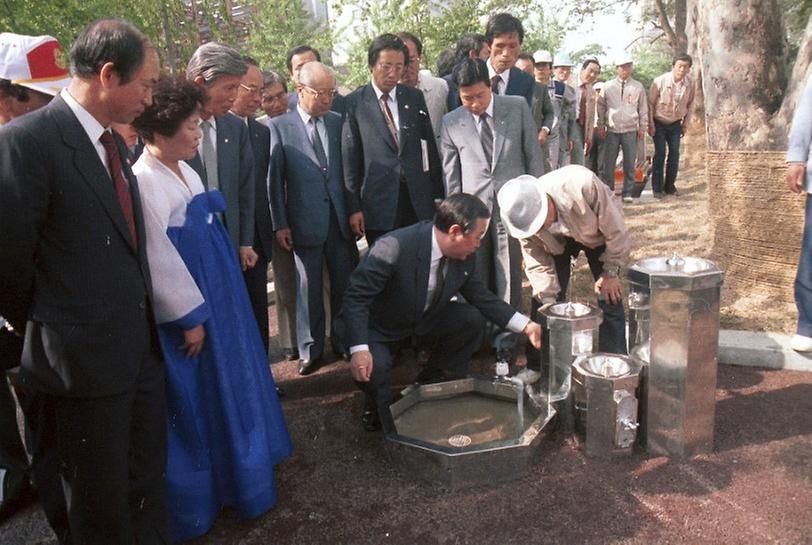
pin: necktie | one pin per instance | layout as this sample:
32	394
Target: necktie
439	282
119	183
318	146
495	84
209	156
486	137
622	86
387	114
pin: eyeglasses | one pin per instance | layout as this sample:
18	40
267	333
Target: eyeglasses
251	89
273	98
389	67
320	94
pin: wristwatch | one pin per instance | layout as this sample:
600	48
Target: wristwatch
611	271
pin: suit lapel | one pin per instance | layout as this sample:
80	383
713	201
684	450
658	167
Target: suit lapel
304	140
334	136
404	114
88	163
197	165
225	149
499	129
467	128
375	114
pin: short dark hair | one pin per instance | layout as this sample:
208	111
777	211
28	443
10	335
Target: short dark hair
298	50
684	57
503	23
17	92
470	41
109	40
445	61
526	57
460	209
272	77
174	99
470	72
590	60
408	36
383	42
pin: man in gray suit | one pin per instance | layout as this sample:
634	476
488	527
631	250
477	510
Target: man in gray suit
435	90
391	166
306	188
486	142
225	160
403	288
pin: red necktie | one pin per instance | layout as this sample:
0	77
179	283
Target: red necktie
120	184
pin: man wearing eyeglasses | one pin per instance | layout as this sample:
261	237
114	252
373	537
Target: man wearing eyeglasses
306	188
391	166
274	96
249	98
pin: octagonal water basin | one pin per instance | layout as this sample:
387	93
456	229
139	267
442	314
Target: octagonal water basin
466	432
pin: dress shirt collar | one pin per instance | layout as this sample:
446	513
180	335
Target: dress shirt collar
379	93
89	123
306	117
212	121
491	73
488	110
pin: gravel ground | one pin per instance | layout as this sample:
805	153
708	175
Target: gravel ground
340	487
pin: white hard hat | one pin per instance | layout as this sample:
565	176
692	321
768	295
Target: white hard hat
522	206
623	58
562	59
31	61
542	56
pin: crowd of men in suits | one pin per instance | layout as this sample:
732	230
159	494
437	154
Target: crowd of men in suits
409	153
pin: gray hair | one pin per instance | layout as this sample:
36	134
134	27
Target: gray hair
213	60
310	70
272	77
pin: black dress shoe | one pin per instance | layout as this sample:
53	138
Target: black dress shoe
279	392
370	420
290	354
308	366
430	375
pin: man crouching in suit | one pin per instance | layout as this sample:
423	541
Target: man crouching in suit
404	287
74	276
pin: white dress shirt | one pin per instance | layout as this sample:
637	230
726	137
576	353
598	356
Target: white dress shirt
212	135
322	128
92	127
504	77
392	102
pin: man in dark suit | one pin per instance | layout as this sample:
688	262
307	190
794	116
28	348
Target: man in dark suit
391	166
404	287
75	278
225	160
306	186
249	98
297	58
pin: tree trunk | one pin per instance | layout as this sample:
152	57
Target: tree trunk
757	223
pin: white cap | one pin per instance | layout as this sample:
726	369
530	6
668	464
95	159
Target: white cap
542	56
31	61
562	59
623	58
523	206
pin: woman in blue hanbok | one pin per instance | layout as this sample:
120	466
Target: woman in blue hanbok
226	429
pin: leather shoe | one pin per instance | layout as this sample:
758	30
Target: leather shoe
279	392
370	420
308	366
290	354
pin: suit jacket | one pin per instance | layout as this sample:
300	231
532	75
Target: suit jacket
373	162
235	173
515	149
542	108
435	91
589	114
301	192
520	83
387	292
260	138
69	274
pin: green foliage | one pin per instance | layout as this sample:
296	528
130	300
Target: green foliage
437	24
280	25
589	50
650	60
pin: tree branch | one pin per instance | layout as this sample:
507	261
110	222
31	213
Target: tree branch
666	24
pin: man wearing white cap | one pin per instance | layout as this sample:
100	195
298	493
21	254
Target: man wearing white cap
548	132
29	79
622	119
565	96
556	217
